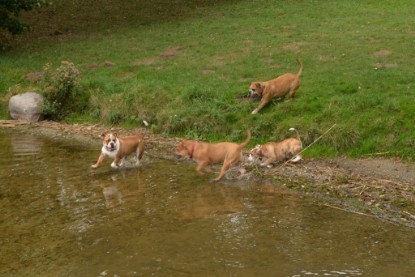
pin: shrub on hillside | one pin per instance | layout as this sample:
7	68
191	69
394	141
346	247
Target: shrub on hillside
62	91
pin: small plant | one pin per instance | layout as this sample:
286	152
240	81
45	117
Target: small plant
62	91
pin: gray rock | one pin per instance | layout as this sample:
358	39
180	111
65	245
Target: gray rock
26	106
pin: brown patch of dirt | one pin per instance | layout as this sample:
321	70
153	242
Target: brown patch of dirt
382	53
326	58
147	61
207	71
167	54
294	47
289	27
34	76
384	188
171	52
95	66
385	65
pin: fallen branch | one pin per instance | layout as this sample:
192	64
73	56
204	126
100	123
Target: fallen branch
12	123
377	154
349	211
409	214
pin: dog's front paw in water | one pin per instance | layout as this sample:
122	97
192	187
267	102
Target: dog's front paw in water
114	165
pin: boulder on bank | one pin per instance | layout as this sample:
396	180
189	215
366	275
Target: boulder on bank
26	106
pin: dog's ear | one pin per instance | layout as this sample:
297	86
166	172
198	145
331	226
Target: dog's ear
259	88
103	135
114	134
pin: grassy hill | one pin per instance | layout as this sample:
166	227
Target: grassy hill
184	66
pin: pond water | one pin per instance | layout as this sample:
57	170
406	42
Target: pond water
61	218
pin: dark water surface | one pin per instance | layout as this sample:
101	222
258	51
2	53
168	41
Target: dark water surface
61	218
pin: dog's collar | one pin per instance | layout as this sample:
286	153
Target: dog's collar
193	150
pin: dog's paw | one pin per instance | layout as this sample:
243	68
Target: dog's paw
114	165
94	166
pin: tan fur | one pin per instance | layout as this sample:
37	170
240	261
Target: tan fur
279	87
277	151
126	146
212	153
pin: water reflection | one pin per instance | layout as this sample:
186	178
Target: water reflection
344	273
120	185
59	218
25	145
212	202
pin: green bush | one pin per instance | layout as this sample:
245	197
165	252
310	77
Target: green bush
62	91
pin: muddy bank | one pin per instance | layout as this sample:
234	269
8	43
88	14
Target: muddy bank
383	188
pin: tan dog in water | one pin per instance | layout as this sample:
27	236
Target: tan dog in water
278	151
119	148
279	87
212	153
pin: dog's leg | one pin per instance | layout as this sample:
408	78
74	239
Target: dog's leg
115	163
100	159
263	103
227	163
225	167
140	150
137	156
122	162
294	86
208	169
269	161
200	166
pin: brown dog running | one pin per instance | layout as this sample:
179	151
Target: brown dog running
279	87
119	148
212	153
278	151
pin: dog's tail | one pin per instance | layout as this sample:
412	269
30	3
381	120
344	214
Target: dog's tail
300	71
298	135
248	138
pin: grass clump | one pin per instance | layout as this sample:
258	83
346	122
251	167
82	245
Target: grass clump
61	90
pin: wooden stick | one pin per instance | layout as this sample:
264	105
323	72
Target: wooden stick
377	154
12	123
350	211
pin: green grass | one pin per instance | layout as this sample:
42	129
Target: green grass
181	65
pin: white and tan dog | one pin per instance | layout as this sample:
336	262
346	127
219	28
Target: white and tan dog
212	153
119	148
279	87
287	149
